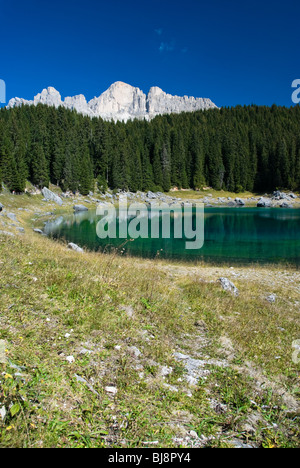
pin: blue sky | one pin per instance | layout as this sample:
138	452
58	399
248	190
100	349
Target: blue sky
230	51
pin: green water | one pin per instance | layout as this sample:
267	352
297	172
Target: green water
237	235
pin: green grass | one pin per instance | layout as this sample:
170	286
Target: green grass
106	301
192	194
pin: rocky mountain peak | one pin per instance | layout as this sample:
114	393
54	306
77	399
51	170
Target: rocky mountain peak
49	96
120	101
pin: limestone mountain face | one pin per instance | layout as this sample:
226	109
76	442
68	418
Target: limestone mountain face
159	102
120	102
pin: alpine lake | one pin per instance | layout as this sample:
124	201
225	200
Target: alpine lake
231	235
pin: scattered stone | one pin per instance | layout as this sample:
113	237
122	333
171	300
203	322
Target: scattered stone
285	205
128	309
134	351
85	382
14	366
50	196
194	367
3	358
75	247
240	445
194	435
191	380
112	390
151	442
12	217
239	201
264	203
227	285
151	195
70	359
227	346
218	407
3	413
172	388
1	207
271	298
6	233
38	231
78	208
85	351
165	370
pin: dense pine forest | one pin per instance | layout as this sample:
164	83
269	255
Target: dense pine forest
242	148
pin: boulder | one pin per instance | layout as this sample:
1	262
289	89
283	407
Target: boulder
277	195
227	285
12	217
151	195
111	390
239	202
264	203
50	196
75	247
78	208
271	298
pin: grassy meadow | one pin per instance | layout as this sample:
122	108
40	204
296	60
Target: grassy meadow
101	350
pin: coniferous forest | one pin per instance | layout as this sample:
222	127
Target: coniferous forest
242	148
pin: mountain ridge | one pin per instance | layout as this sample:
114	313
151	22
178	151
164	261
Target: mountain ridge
120	101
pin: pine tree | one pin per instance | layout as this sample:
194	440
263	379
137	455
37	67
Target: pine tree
39	166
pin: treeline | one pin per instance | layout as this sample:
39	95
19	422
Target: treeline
242	148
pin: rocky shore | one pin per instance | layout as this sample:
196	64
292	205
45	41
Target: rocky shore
10	223
277	199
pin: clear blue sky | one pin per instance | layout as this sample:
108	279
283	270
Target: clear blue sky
234	52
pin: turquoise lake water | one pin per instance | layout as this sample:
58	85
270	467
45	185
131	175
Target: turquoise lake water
235	235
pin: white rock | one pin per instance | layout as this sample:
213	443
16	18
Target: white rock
271	298
75	247
50	196
159	102
227	285
3	413
6	233
120	102
134	351
70	359
3	358
165	370
112	390
49	96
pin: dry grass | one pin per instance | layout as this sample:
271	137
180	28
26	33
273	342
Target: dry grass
98	308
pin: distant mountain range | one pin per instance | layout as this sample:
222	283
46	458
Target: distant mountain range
120	102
